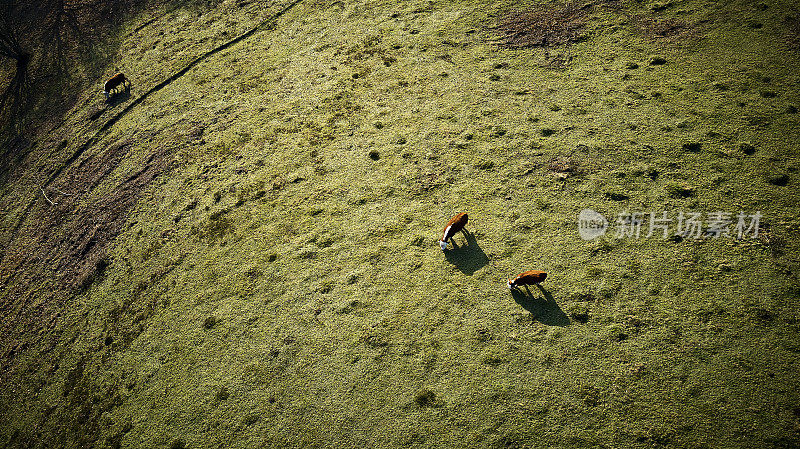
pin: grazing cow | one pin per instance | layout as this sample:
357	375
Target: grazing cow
531	277
114	82
455	224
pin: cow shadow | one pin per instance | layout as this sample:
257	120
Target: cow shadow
468	257
118	97
543	309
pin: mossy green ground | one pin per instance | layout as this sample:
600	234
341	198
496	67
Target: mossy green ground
281	285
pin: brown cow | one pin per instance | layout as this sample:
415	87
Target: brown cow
455	224
115	81
531	277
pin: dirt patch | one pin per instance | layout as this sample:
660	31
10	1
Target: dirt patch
652	27
564	167
61	249
547	25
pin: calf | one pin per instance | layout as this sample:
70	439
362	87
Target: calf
115	81
455	224
531	277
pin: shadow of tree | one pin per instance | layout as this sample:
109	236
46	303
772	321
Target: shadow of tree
543	309
52	40
468	258
61	37
13	99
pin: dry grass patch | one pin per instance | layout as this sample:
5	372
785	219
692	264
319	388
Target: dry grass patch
663	28
546	25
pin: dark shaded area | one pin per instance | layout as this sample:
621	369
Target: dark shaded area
468	257
426	398
12	151
118	97
543	309
13	101
792	26
62	36
44	44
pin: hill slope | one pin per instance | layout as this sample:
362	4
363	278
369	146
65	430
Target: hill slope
241	252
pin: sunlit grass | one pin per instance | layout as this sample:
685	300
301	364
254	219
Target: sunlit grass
281	285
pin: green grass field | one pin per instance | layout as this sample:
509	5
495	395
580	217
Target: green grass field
273	278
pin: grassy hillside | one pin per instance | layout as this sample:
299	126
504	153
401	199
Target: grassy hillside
241	251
